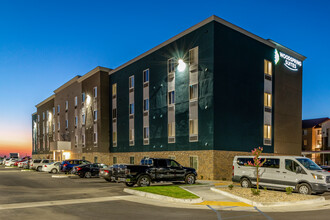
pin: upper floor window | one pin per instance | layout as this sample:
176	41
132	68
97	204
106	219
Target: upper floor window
95	115
193	90
267	132
146	105
146	75
83	119
193	56
95	92
171	65
131	109
75	101
131	82
43	116
83	97
268	100
193	127
76	121
305	132
66	123
267	67
66	105
114	89
38	118
53	110
171	97
58	108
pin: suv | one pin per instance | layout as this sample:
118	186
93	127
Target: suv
37	164
67	165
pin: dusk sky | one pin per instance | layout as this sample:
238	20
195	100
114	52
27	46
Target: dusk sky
43	44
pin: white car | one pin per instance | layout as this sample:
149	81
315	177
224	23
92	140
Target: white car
21	164
52	167
11	162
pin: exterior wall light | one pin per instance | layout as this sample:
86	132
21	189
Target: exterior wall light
182	65
88	100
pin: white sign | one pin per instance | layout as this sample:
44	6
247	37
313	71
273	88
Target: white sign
289	62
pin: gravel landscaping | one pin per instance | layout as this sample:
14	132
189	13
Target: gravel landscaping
267	195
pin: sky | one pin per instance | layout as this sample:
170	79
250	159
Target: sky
43	44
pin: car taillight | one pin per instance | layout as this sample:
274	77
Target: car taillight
106	171
79	168
65	165
45	165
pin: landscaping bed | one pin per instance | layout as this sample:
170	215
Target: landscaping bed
267	196
170	191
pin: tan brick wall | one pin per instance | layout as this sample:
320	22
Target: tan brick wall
42	156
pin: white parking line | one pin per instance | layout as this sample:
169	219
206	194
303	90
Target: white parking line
58	202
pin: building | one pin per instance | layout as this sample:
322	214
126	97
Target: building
209	93
315	140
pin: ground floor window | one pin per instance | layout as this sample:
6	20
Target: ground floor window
131	160
114	160
95	159
194	162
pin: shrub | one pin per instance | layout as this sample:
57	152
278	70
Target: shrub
289	190
255	192
265	188
230	186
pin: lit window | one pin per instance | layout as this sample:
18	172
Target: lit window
193	127
83	97
267	132
267	67
83	119
95	115
193	92
58	108
171	65
305	142
114	89
75	101
131	82
131	134
114	137
146	76
171	129
95	92
146	133
171	98
66	105
146	105
194	162
131	109
268	100
131	160
95	137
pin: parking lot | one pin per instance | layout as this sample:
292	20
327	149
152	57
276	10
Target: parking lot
32	195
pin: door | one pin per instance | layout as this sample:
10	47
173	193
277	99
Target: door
270	172
162	170
176	170
290	175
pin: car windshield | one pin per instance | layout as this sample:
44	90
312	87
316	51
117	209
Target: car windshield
309	164
50	163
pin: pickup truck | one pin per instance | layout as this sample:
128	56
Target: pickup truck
154	170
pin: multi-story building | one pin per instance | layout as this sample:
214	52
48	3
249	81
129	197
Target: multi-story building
211	92
315	140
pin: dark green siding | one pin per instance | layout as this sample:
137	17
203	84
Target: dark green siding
157	64
239	90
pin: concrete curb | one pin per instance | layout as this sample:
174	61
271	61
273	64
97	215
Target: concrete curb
268	204
163	198
27	171
63	176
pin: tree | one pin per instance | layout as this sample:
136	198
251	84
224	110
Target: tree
257	162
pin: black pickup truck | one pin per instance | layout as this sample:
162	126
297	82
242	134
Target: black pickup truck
154	170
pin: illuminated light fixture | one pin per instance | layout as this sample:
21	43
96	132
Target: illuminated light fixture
277	56
66	155
50	117
182	65
88	100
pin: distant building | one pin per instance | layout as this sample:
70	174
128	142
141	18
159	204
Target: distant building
209	93
315	140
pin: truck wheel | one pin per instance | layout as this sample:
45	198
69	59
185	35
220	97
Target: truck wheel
144	181
190	179
246	183
304	188
129	184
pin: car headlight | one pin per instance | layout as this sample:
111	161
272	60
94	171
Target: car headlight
318	177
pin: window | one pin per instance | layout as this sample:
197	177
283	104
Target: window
95	159
83	158
193	92
114	160
146	133
66	105
53	126
291	165
131	160
43	127
58	125
174	163
38	118
58	108
114	89
319	132
66	124
53	110
268	100
76	140
194	162
267	132
114	137
267	67
305	132
43	116
305	142
193	127
171	129
131	134
171	97
95	115
131	109
271	163
95	137
95	92
75	101
193	56
146	105
83	97
131	82
146	75
83	119
83	139
76	121
114	113
171	65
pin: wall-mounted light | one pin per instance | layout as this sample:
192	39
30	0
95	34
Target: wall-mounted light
182	65
88	100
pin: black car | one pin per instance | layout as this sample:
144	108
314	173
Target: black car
154	170
89	170
326	168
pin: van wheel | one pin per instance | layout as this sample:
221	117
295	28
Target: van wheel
305	189
144	181
246	183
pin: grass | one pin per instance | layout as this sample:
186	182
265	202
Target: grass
171	191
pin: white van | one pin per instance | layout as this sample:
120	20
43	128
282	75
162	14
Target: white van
279	172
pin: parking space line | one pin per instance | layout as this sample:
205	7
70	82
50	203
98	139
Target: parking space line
58	202
268	217
218	213
224	203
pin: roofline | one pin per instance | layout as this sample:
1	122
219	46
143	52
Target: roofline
269	43
34	113
74	79
288	51
45	101
93	71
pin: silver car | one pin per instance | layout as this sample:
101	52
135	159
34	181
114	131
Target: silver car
52	167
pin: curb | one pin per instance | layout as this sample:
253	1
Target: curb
268	204
62	176
163	198
27	170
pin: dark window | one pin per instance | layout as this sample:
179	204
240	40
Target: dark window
244	161
271	163
174	163
291	165
162	163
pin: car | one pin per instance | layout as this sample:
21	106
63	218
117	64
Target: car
21	164
53	167
37	164
1	161
89	170
106	173
326	168
280	172
11	162
67	165
18	161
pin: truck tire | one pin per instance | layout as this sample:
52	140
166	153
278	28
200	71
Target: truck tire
130	184
144	180
304	188
190	179
246	183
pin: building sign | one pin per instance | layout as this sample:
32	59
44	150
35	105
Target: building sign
289	62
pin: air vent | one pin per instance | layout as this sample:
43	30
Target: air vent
268	109
146	84
268	77
131	143
193	138
267	142
145	142
171	140
145	113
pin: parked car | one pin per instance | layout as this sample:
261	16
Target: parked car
154	170
89	170
1	161
106	173
11	162
53	167
37	164
18	161
326	168
4	161
67	165
280	172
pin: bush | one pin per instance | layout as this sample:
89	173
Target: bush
255	192
289	190
230	186
265	188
